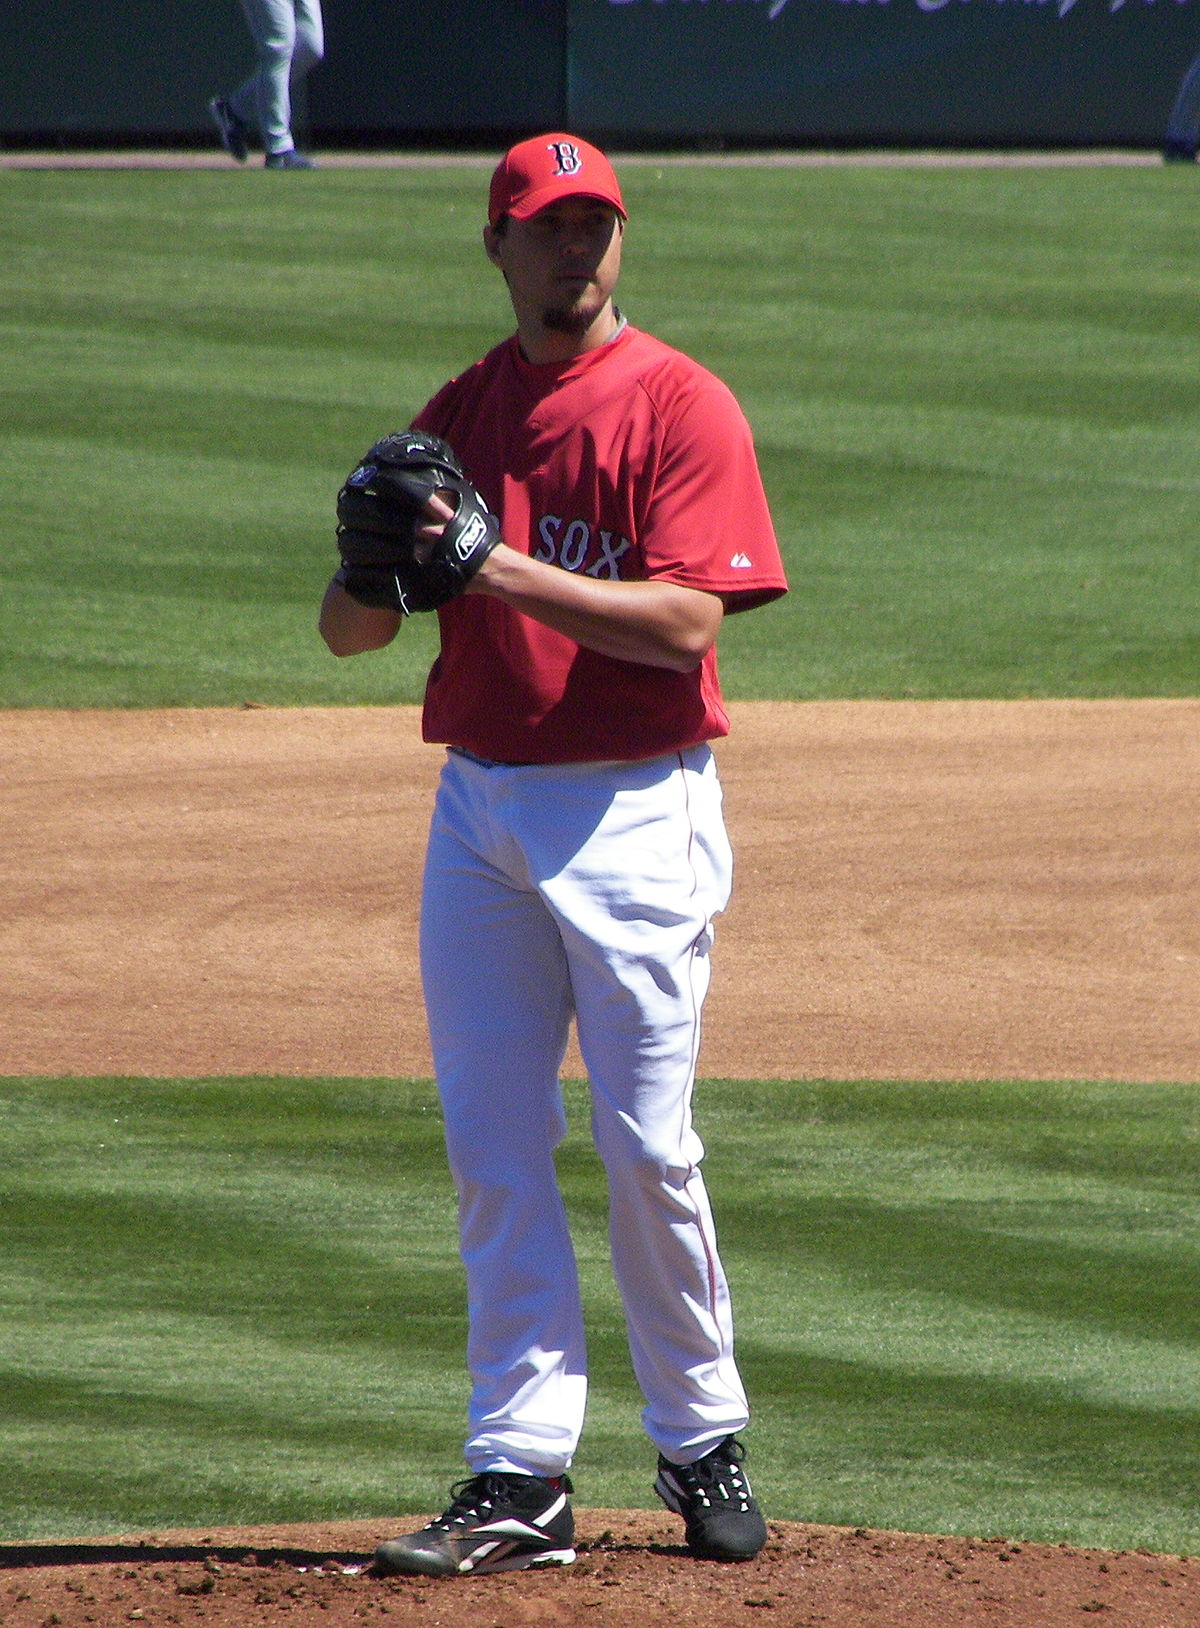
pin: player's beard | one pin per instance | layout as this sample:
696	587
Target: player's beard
575	317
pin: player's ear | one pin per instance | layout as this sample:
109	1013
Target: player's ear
493	237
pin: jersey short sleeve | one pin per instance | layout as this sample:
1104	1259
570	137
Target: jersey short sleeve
707	522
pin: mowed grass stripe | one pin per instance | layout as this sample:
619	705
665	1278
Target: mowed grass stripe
972	390
961	1308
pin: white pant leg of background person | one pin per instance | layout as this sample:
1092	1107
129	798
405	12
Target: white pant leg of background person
1183	126
289	40
498	999
619	870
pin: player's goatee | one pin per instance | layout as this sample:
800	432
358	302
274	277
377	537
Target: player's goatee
572	319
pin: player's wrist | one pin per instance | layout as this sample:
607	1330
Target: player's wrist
500	572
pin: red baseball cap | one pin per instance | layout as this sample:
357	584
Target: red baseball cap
543	169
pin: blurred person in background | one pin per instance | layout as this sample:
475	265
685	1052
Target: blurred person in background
289	41
1183	126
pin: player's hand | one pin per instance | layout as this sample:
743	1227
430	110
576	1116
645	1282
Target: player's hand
429	531
410	490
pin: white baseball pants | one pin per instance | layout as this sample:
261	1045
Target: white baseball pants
585	889
289	41
1184	121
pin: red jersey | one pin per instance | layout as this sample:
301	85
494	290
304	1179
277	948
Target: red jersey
631	462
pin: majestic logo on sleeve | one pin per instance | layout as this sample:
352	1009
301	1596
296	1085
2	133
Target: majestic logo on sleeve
566	157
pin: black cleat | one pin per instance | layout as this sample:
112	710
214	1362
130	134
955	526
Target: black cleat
496	1522
721	1518
289	160
235	136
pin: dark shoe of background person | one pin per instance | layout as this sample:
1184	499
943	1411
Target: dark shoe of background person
720	1517
1179	152
290	160
235	136
495	1522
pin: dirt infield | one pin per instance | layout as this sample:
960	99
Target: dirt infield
952	890
189	158
631	1573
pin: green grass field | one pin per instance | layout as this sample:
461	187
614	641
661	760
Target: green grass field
961	1308
974	392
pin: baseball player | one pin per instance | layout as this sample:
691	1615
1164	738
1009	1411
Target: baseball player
1183	125
289	41
610	516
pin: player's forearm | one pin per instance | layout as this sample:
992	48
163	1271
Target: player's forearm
660	624
349	628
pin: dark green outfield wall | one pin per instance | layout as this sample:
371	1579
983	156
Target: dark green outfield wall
809	72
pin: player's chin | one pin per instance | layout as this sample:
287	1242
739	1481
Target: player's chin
573	316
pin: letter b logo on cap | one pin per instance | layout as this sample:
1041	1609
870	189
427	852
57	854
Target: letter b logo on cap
566	158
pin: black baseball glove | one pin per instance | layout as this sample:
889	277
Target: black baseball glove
379	510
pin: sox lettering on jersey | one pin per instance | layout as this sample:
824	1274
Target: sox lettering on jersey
573	545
